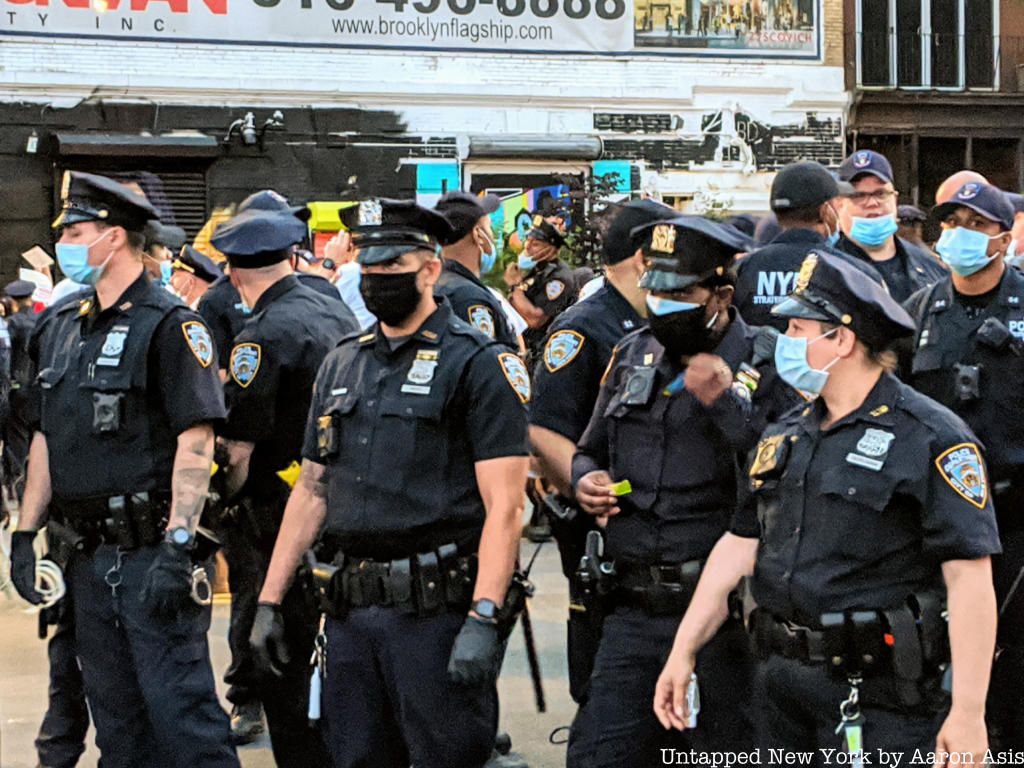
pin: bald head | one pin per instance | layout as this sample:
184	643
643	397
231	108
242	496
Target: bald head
949	187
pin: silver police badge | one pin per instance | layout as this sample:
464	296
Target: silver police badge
515	371
561	349
962	468
113	345
422	371
245	363
480	317
875	442
199	342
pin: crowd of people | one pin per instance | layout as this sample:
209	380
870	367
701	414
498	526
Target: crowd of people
779	459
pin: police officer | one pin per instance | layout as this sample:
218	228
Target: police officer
472	253
192	275
20	324
861	505
966	353
122	456
803	198
541	286
566	383
271	369
413	466
868	220
679	401
162	242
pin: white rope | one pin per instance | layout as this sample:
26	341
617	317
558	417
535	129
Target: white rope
49	582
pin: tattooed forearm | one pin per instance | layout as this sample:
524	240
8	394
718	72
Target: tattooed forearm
190	480
314	479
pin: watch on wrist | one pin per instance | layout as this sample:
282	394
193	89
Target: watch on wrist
180	537
485	609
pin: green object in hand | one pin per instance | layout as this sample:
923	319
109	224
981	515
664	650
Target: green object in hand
621	488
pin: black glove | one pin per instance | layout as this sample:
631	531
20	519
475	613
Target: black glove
23	565
168	586
269	648
476	654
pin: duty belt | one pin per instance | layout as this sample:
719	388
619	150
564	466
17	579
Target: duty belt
131	521
661	590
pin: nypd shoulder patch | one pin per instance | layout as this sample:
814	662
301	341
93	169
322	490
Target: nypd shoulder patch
245	363
561	349
198	338
480	317
515	371
554	289
963	469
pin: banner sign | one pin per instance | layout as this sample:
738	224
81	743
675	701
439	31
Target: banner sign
729	28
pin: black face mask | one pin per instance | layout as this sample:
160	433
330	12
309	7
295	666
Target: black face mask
392	298
684	333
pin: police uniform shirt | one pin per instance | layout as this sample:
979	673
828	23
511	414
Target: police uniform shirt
863	513
221	308
271	368
911	269
155	392
399	430
947	335
768	275
567	378
679	456
550	287
473	302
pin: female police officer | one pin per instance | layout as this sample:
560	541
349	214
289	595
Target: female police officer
866	502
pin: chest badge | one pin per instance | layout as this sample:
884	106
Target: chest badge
421	373
963	470
769	457
554	289
199	342
113	346
480	317
561	349
245	363
872	449
515	371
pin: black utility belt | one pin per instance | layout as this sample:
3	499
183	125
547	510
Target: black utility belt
908	642
129	521
660	590
424	584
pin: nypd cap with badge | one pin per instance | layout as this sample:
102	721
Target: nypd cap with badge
686	250
269	200
832	291
196	263
989	201
546	232
88	197
619	222
383	230
864	162
257	237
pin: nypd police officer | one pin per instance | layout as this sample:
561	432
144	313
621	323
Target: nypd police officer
413	466
869	516
968	349
679	400
271	369
122	455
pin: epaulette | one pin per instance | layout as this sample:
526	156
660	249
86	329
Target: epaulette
460	328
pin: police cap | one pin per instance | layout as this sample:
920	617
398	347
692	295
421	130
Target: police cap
985	199
88	197
546	232
1017	201
269	200
687	250
167	235
256	238
618	242
463	210
863	162
383	230
19	289
804	185
831	290
196	263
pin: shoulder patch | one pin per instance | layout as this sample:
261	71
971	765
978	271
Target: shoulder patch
963	469
198	338
554	289
245	363
561	349
480	317
515	371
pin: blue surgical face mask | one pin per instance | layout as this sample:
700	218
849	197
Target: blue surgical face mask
487	258
659	306
833	237
963	250
73	259
165	272
873	232
526	263
1011	252
791	363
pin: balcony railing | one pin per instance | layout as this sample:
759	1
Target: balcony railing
937	60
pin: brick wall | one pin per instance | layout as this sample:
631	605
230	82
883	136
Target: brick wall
834	33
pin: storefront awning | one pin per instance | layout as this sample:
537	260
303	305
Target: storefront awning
138	145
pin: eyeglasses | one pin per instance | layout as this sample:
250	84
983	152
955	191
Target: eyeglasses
878	196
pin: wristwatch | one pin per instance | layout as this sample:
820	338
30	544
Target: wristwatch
181	537
485	609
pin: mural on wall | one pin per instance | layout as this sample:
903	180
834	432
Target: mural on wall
514	218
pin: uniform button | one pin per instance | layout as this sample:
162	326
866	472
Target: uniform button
371	403
363	440
786	575
851	491
409	411
359	478
800	483
796	531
